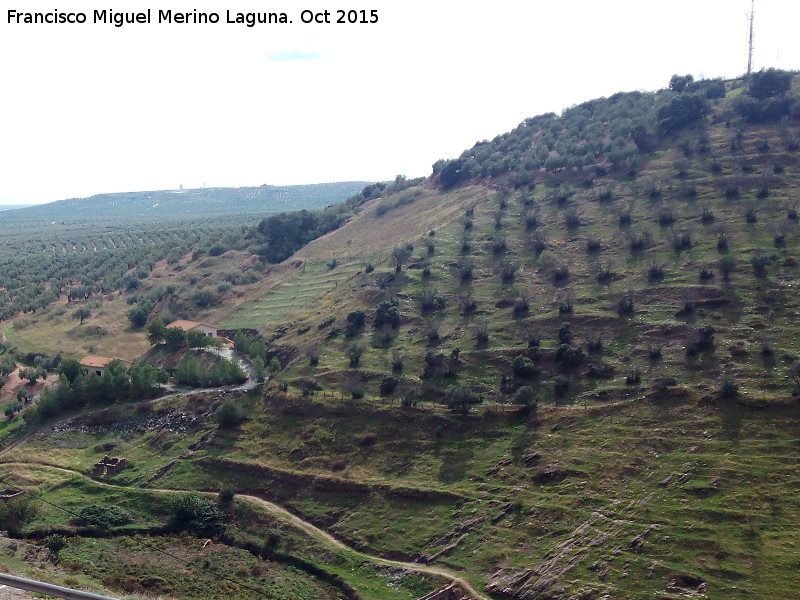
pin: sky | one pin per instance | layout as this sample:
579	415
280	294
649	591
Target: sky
93	108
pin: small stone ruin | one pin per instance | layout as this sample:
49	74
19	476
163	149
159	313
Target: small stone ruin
109	466
9	494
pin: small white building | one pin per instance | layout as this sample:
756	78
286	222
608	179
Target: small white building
204	328
97	364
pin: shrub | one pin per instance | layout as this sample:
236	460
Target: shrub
682	241
633	377
523	367
655	272
638	241
412	397
666	218
387	313
707	217
592	244
565	305
525	396
354	352
732	192
388	385
507	270
103	516
565	333
196	514
759	263
560	274
313	356
229	415
430	299
560	385
567	356
226	494
498	245
460	398
468	305
539	243
397	361
355	322
55	543
727	265
654	352
481	334
572	219
595	345
729	389
521	305
769	83
600	371
604	273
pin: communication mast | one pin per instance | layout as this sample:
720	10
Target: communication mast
750	39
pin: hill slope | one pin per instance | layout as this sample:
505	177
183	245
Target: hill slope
565	366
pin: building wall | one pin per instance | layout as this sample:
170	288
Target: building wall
205	330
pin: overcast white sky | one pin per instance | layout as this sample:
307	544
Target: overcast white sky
93	108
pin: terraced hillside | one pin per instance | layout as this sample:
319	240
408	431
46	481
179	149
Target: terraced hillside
565	366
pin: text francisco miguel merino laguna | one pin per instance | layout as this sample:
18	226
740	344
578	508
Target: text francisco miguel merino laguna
118	19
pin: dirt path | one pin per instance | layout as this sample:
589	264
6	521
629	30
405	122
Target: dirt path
319	534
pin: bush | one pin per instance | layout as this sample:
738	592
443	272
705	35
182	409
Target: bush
565	333
229	415
388	385
103	516
55	543
196	514
387	313
430	300
355	322
769	83
460	398
729	389
354	352
560	274
226	494
523	367
567	356
560	385
525	396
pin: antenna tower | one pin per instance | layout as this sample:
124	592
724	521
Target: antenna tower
750	38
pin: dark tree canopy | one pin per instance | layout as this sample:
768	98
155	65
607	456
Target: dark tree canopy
769	83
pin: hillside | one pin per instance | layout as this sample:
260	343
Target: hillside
565	365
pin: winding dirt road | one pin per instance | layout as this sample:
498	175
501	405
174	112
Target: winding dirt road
319	534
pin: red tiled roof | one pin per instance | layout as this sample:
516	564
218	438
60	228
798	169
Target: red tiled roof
90	360
188	325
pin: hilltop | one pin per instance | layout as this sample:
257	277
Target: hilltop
565	365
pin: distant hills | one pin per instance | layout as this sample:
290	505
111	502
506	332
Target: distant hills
14	206
197	202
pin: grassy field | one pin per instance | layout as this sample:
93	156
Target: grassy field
625	498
